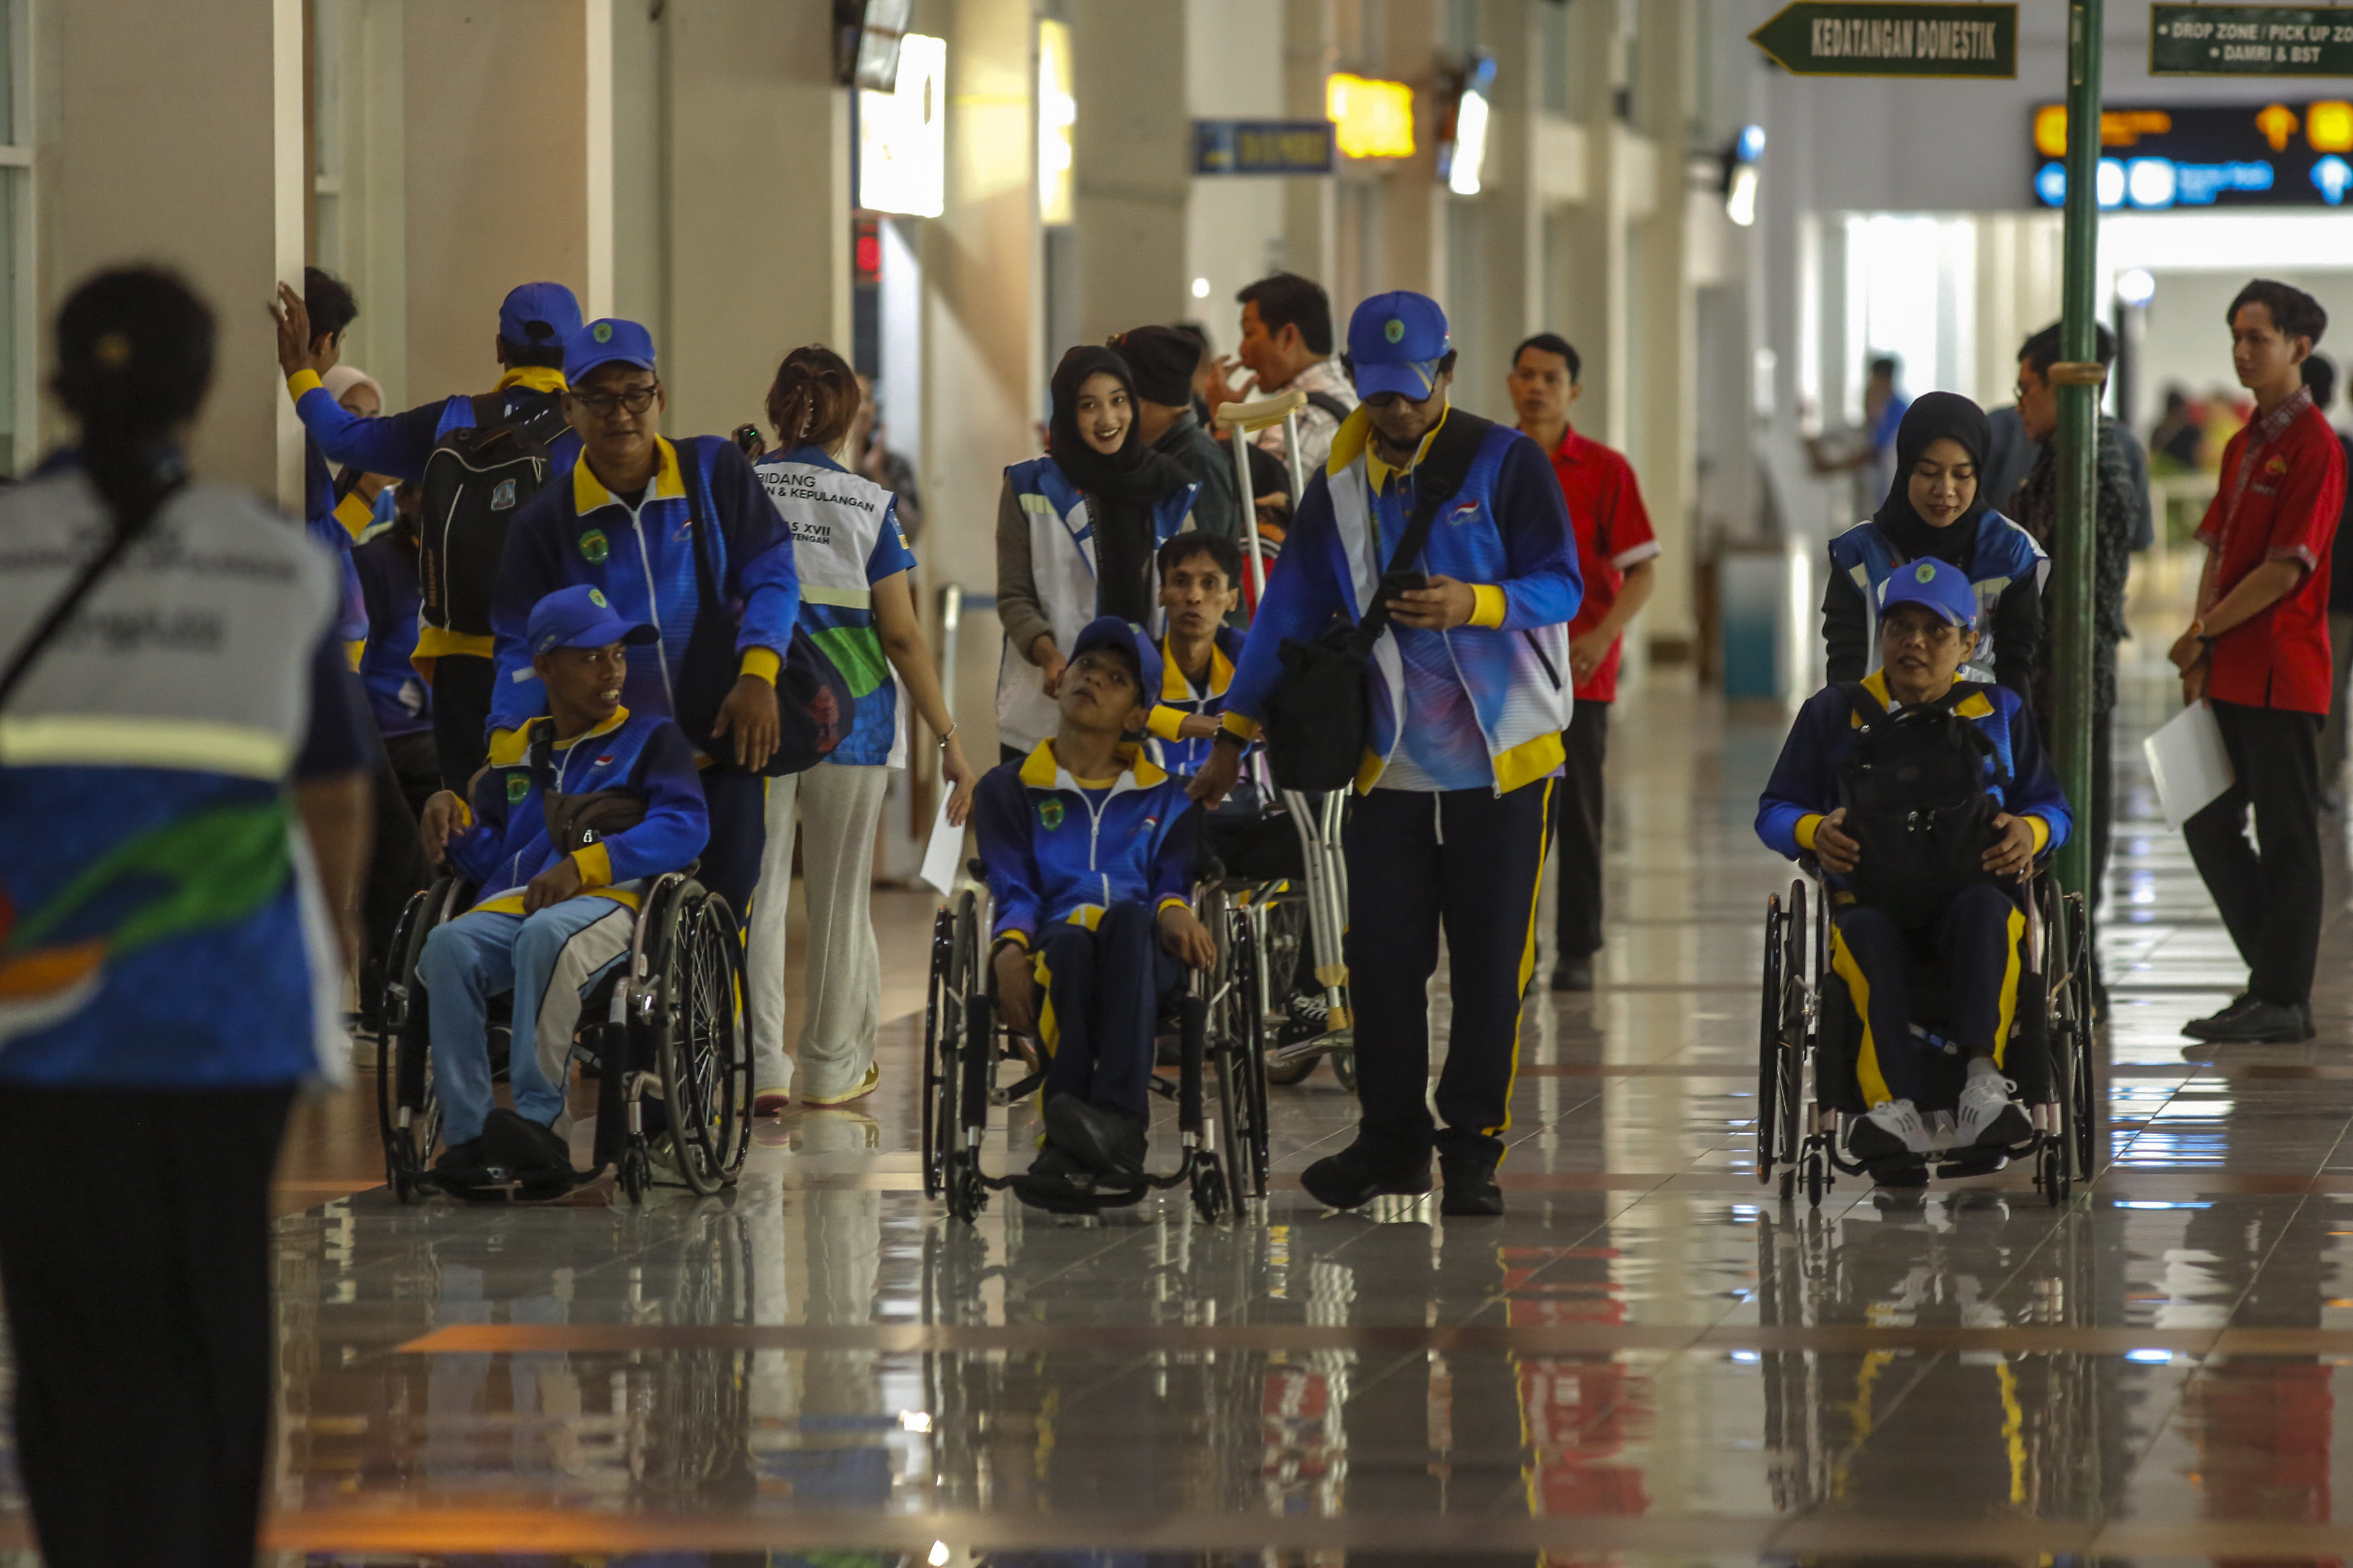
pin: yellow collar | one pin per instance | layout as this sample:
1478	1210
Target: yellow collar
589	492
620	717
1175	688
1378	473
1039	770
1973	706
537	377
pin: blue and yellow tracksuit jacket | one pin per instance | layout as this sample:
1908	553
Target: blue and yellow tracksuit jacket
1804	786
1055	855
1179	697
397	695
398	445
1481	706
642	759
577	531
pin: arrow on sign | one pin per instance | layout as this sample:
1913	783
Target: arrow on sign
1877	37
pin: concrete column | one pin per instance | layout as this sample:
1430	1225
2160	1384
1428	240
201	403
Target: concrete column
1665	448
1511	205
1237	226
1594	229
499	168
1309	56
1413	208
174	134
1131	163
759	203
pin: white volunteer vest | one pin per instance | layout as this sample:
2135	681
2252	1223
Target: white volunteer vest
836	519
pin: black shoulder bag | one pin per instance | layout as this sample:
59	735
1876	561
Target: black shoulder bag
1319	716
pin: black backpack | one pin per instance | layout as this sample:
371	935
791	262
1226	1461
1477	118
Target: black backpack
1919	799
475	478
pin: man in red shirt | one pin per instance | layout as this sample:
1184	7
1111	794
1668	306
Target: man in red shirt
1616	556
2258	654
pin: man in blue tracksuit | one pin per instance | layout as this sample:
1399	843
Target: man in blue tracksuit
627	521
559	844
535	321
1926	616
1469	690
1090	854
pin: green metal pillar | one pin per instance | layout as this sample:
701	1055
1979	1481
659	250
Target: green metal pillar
2078	436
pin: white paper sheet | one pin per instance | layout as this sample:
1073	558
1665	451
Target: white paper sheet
2189	762
945	851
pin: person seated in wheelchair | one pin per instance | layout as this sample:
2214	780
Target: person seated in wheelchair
1088	849
1200	583
1925	800
559	845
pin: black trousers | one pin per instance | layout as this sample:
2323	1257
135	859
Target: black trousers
1470	862
1579	826
407	774
138	1301
2270	901
461	717
1974	942
1102	1005
730	867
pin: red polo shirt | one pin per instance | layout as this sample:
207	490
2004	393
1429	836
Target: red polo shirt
1614	533
2283	486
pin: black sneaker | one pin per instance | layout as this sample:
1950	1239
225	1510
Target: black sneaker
1471	1188
466	1157
1573	975
1361	1173
2254	1022
2196	1028
1106	1140
1305	1016
1056	1183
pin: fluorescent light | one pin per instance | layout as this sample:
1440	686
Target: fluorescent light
1370	118
939	1557
902	134
1200	287
2135	286
1470	145
1740	200
1058	117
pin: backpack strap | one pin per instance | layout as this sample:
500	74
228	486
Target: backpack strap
1861	702
1328	403
1436	479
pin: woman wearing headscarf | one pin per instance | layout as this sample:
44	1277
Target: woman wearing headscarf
1935	509
1076	532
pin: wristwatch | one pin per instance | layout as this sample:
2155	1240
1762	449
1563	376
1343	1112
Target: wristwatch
1225	737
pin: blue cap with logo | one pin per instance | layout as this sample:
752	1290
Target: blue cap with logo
539	316
1109	631
580	617
1943	587
1394	341
608	342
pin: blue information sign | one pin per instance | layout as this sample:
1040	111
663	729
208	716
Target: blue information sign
1261	146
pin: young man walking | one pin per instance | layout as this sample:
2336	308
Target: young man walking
1616	556
2258	654
1467	697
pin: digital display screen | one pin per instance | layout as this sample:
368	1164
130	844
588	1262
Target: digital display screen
2155	158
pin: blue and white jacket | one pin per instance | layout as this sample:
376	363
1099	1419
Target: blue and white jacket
1056	855
1804	786
1179	697
2007	570
1063	567
1505	531
642	759
643	559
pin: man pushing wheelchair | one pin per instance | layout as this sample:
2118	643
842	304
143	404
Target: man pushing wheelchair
1925	800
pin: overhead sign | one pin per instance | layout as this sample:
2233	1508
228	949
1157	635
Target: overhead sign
2250	40
1876	37
1261	146
2153	157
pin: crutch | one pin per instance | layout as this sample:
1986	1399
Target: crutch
1316	823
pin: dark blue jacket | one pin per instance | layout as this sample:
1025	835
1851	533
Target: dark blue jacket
1055	856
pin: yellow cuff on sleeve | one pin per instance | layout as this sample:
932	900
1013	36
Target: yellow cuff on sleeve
302	381
1804	831
2042	833
762	662
596	863
507	747
465	810
1163	720
1178	900
1235	724
1489	610
352	651
1014	938
354	511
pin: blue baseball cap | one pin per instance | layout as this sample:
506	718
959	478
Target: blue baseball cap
606	342
539	316
1109	631
580	617
1944	588
1394	341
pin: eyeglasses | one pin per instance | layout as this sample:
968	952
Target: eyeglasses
1932	633
605	405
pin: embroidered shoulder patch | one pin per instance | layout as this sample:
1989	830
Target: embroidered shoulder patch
1049	814
593	547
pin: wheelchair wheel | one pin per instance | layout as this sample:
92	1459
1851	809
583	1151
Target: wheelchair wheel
950	1056
1284	951
409	1113
1237	1039
1769	1042
940	1006
1795	979
704	1056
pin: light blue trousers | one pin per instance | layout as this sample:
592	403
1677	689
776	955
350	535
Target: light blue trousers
550	960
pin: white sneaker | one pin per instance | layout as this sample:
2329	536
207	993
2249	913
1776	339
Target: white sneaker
1891	1127
1989	1116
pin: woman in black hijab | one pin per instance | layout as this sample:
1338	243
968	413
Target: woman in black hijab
1076	533
1935	509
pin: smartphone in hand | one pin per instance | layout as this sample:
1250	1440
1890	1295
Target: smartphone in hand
1401	582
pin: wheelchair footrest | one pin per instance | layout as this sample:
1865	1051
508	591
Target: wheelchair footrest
1022	1090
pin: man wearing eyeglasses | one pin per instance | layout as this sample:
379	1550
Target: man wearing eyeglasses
626	523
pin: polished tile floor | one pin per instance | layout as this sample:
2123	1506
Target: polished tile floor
1645	1361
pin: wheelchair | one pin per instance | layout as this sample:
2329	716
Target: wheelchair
664	1025
1221	1030
1808	1035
